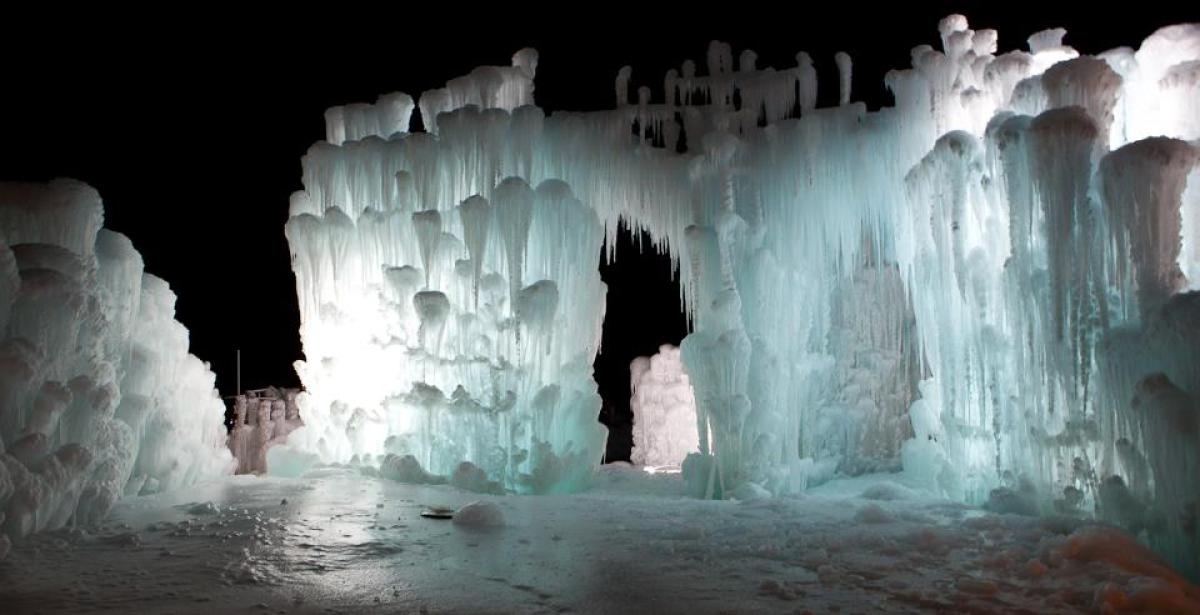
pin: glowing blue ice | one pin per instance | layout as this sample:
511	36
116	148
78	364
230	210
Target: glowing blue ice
986	285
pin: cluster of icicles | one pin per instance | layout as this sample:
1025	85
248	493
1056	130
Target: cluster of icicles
987	285
99	397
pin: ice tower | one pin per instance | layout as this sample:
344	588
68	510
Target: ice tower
99	397
665	428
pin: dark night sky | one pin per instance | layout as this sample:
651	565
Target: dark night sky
191	125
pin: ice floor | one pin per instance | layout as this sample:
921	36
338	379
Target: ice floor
340	541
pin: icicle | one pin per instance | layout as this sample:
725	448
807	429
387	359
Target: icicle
514	214
1143	183
844	67
623	76
476	219
428	227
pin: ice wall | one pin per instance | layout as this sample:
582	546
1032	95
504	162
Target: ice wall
988	283
665	428
99	397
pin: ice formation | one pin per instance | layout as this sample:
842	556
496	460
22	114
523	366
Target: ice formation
665	428
479	515
262	420
989	284
99	397
346	538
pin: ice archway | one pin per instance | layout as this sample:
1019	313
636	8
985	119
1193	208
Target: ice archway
987	284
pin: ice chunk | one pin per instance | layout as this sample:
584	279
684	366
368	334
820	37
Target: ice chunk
479	515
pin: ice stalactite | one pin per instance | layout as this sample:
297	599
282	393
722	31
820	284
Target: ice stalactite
388	116
486	87
1008	254
1150	360
99	397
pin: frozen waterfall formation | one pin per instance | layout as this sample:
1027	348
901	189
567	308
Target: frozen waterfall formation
665	428
99	397
988	284
262	419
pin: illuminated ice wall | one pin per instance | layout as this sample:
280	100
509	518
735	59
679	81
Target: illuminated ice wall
447	314
987	284
665	428
99	397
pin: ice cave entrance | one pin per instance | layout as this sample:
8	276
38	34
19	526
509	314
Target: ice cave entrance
648	404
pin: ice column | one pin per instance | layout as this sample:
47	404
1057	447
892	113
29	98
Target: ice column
664	410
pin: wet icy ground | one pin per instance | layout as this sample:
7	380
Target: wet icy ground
340	541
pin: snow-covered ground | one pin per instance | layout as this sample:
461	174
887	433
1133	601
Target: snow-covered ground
337	540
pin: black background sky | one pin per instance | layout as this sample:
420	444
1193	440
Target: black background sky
191	124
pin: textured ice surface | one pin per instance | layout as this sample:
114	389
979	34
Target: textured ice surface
987	284
262	420
664	410
99	397
336	540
